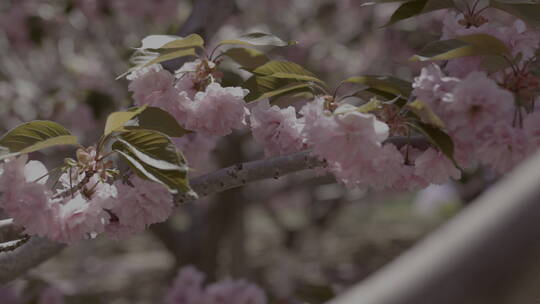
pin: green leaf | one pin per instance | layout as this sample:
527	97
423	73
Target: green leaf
171	54
268	87
385	84
462	46
191	41
156	119
370	106
154	157
288	90
116	120
145	58
416	7
33	136
258	39
425	113
528	10
285	70
263	84
494	63
231	78
249	59
160	42
437	137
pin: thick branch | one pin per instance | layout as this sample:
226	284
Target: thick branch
31	254
8	231
242	173
474	254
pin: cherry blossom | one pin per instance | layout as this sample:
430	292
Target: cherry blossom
477	101
502	147
154	86
140	203
25	200
432	86
218	110
278	130
435	167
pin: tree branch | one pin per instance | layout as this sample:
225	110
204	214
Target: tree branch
8	231
475	254
31	254
37	250
20	260
242	173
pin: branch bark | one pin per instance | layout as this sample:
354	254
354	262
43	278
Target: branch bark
8	231
242	173
29	255
474	254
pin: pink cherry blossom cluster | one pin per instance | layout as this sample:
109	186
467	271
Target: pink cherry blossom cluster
518	38
83	205
279	131
354	145
188	289
192	96
492	117
351	142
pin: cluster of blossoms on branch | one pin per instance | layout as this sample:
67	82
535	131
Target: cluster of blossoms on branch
83	203
472	109
199	104
491	115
